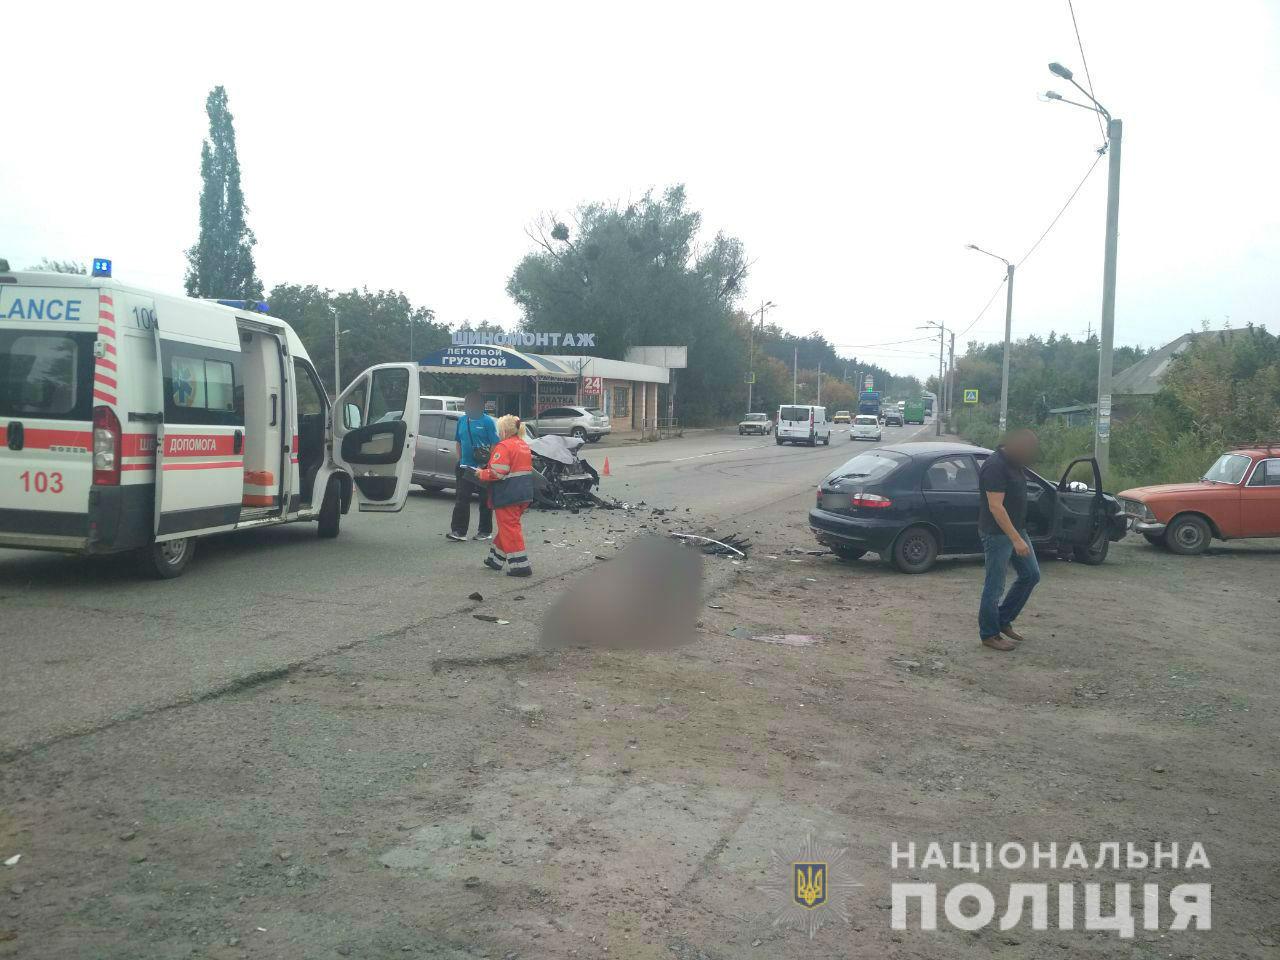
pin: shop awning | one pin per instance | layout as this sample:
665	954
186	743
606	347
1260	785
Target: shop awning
495	361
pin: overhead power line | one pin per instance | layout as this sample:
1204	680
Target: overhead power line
1085	63
1058	215
1039	240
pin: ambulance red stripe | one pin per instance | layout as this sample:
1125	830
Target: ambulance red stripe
216	465
104	397
107	315
103	298
106	364
138	445
104	379
106	331
37	439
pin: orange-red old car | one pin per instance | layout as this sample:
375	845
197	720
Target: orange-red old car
1238	497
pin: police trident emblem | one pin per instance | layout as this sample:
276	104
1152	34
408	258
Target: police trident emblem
811	884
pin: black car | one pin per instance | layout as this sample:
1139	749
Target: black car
892	418
913	502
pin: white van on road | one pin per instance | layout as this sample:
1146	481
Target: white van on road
803	424
136	421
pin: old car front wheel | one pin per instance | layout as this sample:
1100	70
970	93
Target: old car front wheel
1188	535
915	550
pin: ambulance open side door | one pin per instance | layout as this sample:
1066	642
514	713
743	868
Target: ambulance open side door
375	428
200	439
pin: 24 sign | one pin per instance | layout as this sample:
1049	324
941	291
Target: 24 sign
970	396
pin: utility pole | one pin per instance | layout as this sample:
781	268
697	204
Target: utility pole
751	350
795	372
951	381
1008	333
1115	133
1102	422
937	414
1004	364
819	383
337	363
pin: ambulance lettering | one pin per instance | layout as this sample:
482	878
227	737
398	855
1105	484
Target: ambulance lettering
33	309
198	445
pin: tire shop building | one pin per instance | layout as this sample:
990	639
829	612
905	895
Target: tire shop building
633	395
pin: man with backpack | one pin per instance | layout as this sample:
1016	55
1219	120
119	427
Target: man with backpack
477	434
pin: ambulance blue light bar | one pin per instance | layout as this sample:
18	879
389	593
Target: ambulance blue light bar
259	305
101	267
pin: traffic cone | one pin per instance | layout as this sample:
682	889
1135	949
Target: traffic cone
605	472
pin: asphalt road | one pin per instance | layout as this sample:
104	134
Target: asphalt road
86	642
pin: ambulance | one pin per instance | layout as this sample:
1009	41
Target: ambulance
136	422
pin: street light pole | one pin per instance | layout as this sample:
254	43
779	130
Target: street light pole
751	349
337	363
1008	333
1115	133
1102	422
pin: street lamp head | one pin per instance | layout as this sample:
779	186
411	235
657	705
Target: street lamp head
1052	95
971	246
1058	70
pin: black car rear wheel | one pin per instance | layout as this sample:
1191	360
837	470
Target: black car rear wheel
915	550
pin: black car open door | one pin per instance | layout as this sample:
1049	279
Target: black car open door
1079	515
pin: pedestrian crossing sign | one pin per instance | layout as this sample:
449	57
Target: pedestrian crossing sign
971	396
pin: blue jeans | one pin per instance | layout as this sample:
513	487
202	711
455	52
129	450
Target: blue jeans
994	613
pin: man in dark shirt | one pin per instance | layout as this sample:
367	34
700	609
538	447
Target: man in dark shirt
1002	523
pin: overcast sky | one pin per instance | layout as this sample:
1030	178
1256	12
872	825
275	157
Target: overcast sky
855	148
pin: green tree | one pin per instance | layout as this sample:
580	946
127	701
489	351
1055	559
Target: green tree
637	275
220	264
376	326
59	266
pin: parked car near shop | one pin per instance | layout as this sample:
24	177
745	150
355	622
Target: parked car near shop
758	423
590	423
914	502
1238	497
842	416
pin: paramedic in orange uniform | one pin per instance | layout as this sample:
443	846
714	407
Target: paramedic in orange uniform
510	478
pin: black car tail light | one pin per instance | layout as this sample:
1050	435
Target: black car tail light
870	501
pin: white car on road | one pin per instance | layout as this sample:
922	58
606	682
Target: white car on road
865	427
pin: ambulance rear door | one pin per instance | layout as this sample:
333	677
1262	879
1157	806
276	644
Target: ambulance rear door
200	444
375	425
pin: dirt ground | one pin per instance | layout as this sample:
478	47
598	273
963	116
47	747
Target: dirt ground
395	801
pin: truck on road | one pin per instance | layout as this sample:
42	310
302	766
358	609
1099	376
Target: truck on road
913	411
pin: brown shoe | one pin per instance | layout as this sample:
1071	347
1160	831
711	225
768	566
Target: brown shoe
1012	634
998	643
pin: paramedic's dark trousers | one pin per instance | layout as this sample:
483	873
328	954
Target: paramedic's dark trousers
465	488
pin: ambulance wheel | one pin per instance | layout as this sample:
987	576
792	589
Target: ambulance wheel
331	510
168	559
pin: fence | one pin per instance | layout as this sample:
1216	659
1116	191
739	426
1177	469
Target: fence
660	428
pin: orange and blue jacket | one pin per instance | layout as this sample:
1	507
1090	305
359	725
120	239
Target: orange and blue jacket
509	473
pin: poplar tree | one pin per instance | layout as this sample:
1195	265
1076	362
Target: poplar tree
220	264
